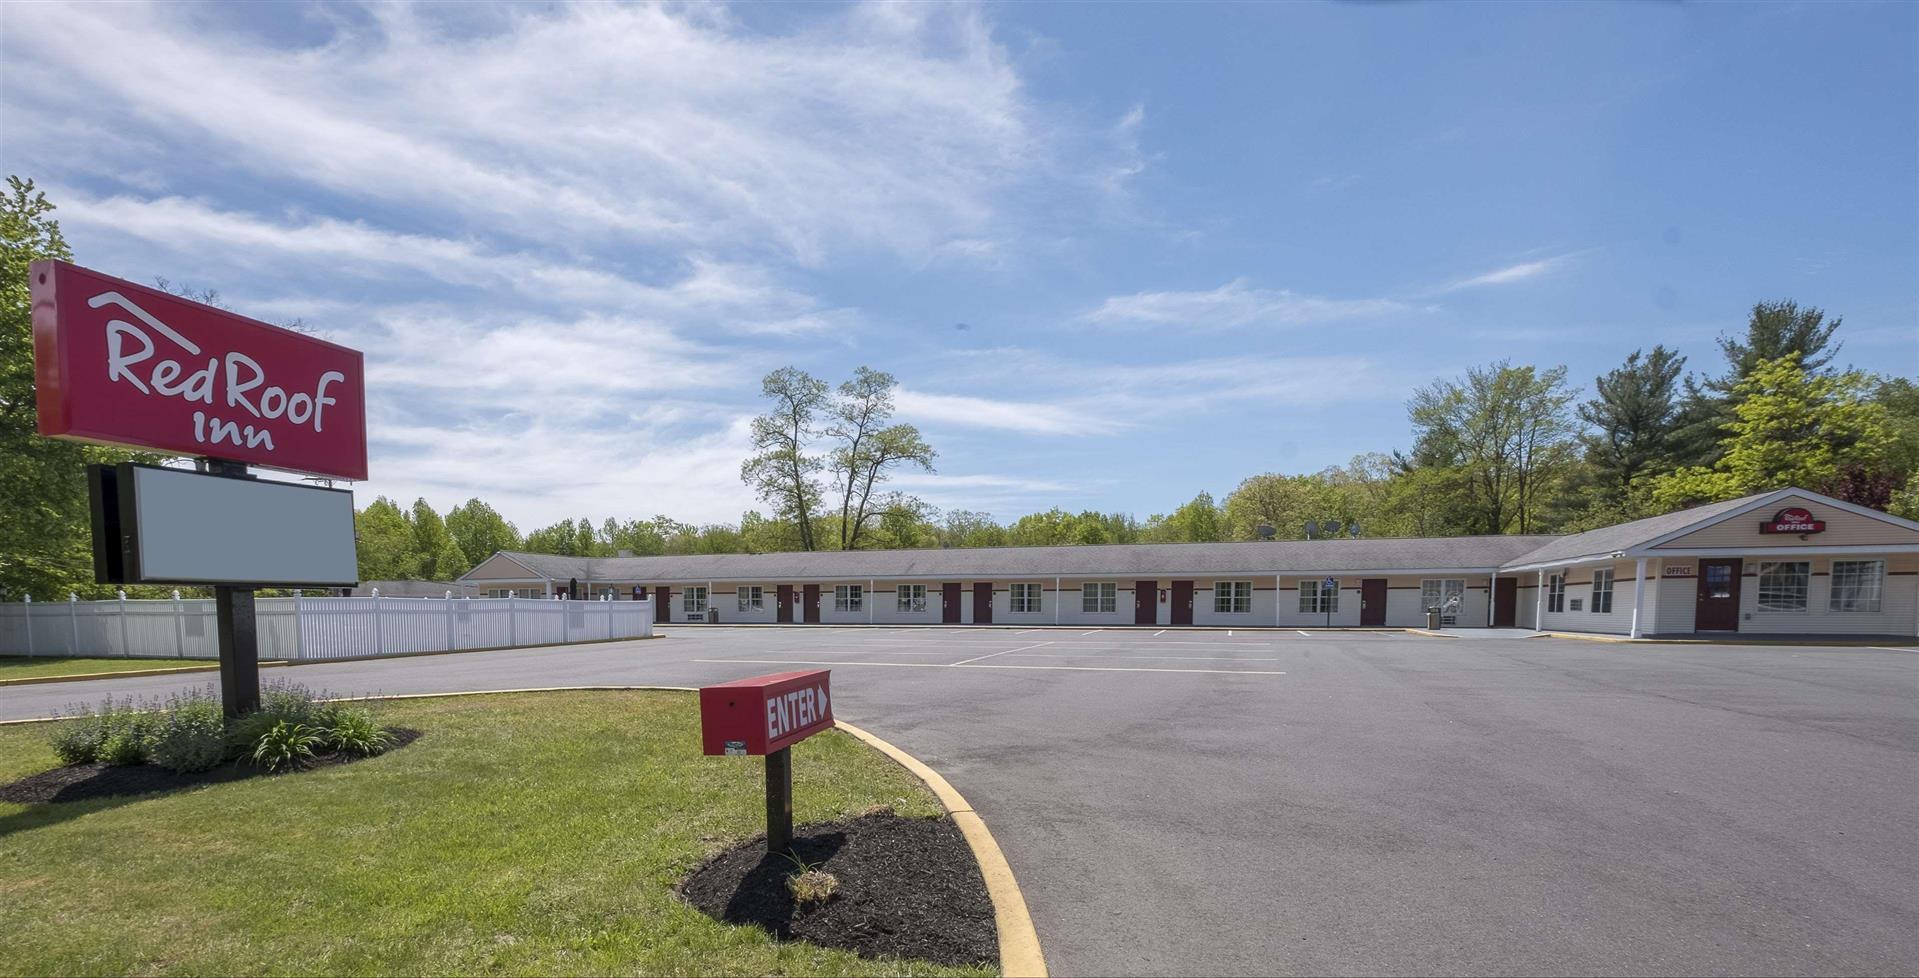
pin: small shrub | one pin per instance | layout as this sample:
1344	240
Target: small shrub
354	731
77	741
280	703
286	745
190	736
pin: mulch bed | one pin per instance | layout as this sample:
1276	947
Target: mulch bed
83	781
908	888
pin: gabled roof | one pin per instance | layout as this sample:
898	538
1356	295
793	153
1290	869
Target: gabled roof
1380	556
1627	538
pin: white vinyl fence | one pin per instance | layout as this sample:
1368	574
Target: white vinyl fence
306	629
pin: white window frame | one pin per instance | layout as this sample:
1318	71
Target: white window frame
1555	593
1866	595
912	597
1026	599
752	597
849	597
1446	594
1315	598
1232	597
1778	595
693	600
1602	595
1099	597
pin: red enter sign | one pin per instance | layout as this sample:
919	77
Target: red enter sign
122	364
765	713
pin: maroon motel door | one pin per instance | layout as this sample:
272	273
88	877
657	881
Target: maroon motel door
663	611
1718	609
812	605
1506	602
949	604
1145	602
982	602
783	605
1372	602
1182	602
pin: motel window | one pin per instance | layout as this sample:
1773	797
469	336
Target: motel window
752	597
1602	591
1856	585
1232	597
1315	598
693	601
1443	595
912	597
848	597
1099	598
1026	598
1556	593
1783	584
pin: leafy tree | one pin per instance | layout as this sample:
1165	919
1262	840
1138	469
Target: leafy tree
386	543
1773	330
1506	430
1900	397
967	528
567	538
1198	520
1791	427
1905	502
1634	414
781	472
480	531
440	556
869	449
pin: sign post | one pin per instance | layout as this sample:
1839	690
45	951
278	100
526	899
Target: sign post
116	363
767	715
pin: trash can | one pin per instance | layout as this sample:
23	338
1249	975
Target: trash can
1432	618
712	616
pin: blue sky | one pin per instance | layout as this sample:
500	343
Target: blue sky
1115	254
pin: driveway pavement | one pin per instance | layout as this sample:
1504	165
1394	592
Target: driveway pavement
1278	802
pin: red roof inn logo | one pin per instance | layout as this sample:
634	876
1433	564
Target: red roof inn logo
123	364
1793	519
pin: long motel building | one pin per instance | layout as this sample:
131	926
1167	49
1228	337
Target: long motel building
1787	562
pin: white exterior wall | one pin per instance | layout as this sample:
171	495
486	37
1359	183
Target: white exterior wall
1579	588
1898	604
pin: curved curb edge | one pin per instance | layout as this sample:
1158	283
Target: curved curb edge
1019	952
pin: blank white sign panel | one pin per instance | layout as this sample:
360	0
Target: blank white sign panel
206	529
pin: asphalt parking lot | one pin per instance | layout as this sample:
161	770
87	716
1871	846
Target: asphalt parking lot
1277	802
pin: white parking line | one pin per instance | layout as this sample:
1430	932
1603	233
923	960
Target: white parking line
1182	658
1892	648
1030	631
1159	633
936	665
1307	634
1095	631
990	655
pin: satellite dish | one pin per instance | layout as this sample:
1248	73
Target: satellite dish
1265	531
1353	529
1312	529
1331	527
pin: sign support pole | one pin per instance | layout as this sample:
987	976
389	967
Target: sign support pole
779	801
237	627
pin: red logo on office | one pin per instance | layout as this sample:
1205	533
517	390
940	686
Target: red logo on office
1793	519
122	364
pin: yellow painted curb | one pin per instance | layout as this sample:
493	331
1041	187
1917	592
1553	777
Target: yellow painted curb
1584	637
1429	633
1019	953
129	674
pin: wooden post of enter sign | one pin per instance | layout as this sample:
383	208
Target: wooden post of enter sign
779	801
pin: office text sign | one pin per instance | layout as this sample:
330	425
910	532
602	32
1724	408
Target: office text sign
121	364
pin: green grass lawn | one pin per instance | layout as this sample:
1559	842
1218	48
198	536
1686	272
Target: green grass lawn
34	667
535	833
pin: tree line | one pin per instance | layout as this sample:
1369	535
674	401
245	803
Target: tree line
1505	448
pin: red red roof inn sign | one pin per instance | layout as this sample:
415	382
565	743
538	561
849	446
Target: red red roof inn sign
121	364
1793	519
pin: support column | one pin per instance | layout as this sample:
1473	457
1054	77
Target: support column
1638	593
1539	604
869	600
1056	600
239	650
1492	599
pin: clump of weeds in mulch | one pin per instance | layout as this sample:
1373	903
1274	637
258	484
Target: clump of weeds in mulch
901	888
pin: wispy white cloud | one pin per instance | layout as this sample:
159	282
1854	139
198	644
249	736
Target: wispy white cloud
1519	272
1237	303
1030	417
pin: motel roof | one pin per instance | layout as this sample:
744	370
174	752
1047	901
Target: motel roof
1383	555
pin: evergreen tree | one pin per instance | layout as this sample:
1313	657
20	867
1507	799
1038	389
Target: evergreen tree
1634	415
